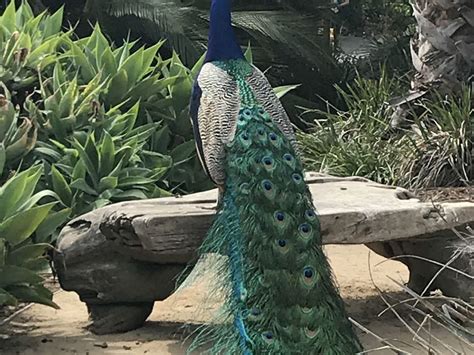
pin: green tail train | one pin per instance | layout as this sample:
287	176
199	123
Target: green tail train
280	297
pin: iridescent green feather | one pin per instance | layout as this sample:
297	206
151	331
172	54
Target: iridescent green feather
280	296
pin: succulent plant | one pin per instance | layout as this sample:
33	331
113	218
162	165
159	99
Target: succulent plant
27	44
17	134
20	259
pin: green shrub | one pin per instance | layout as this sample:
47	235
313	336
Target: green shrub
92	124
358	141
20	258
436	151
78	87
444	141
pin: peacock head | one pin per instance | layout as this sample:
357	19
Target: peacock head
222	43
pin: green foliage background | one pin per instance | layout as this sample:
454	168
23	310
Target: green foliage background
85	123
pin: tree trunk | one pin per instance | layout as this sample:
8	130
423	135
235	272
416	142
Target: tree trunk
442	50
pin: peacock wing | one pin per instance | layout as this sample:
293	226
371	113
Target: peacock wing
270	102
214	110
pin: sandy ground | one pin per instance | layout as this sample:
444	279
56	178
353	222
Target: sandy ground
42	330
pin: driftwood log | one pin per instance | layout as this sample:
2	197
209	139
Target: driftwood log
123	257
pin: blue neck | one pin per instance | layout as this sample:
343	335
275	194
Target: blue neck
222	44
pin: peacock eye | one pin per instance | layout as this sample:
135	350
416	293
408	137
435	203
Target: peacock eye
310	215
267	185
246	112
297	178
267	161
245	136
305	228
308	272
272	136
288	157
261	111
268	336
282	243
280	216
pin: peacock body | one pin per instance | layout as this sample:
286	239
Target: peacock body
279	293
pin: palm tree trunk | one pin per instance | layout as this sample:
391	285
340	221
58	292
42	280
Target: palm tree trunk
442	50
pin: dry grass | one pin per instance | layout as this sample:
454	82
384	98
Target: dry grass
420	314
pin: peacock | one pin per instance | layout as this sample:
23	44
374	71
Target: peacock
280	296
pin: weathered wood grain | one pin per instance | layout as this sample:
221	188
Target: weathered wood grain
352	211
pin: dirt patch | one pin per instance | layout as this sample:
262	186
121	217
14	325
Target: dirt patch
45	331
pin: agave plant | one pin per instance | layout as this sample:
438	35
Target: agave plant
20	258
16	139
91	170
92	77
27	44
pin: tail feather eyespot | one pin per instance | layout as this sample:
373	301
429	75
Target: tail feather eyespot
310	215
268	337
297	178
268	163
246	113
305	231
245	139
282	246
255	314
280	216
289	159
281	219
308	277
268	189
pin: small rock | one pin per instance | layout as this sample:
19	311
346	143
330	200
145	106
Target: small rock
126	347
101	345
45	340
